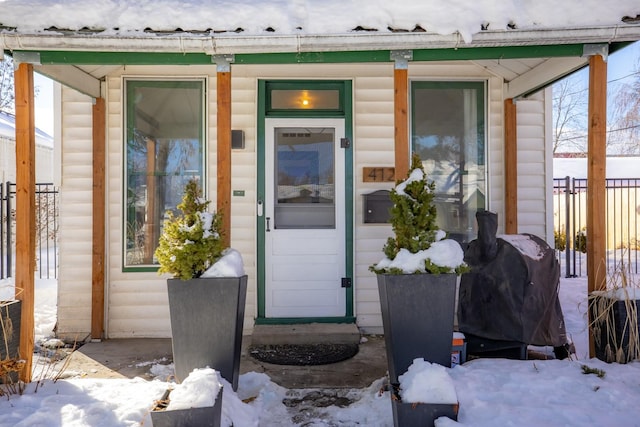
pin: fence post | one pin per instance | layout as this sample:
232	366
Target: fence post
567	221
2	260
8	237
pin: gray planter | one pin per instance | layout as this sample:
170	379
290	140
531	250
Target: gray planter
417	316
207	318
10	312
420	414
209	416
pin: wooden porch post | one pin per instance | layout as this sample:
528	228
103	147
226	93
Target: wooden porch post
25	211
223	81
401	121
596	173
510	167
99	209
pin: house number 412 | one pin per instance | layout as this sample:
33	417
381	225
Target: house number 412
378	174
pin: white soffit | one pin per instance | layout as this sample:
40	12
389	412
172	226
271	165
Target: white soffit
542	75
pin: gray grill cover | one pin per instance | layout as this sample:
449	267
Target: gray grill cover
511	292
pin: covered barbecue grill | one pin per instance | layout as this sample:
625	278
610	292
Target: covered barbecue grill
509	299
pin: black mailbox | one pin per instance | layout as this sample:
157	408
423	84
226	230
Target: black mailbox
377	207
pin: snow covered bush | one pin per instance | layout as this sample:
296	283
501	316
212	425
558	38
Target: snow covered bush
418	246
190	242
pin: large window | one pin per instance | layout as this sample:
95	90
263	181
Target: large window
164	149
448	132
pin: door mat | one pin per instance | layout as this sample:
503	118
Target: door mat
303	354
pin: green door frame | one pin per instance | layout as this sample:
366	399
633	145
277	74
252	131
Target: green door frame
344	111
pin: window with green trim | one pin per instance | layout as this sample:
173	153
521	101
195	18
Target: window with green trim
448	132
164	148
300	98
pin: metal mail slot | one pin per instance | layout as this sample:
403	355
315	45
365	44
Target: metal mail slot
377	207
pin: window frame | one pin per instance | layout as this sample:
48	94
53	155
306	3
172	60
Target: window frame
482	105
128	84
299	85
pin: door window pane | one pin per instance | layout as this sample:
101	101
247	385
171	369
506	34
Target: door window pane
448	132
304	180
164	150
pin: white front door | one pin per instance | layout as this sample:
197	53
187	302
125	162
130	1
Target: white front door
305	218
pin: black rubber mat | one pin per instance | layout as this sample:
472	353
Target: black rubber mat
303	354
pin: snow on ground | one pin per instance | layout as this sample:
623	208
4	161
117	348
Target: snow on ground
491	392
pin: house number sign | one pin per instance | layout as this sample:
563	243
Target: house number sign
378	174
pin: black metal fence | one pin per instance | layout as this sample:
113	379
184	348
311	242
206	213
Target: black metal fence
622	224
46	230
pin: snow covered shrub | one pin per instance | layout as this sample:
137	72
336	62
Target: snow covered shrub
190	242
418	246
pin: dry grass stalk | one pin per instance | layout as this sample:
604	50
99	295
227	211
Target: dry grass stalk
621	291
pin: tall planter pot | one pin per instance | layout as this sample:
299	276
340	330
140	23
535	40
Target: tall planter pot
209	416
417	316
207	318
10	315
616	327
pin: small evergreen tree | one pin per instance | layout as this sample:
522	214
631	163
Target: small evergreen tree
190	242
413	215
413	221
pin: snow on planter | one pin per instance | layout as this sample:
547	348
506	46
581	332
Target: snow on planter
426	382
198	390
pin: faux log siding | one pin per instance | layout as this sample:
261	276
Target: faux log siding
532	199
130	297
243	170
74	280
495	150
374	146
137	301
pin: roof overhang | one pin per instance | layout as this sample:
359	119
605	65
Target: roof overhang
81	60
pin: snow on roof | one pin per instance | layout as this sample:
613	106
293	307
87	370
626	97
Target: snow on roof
259	17
8	130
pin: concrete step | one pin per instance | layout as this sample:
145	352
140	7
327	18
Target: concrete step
312	333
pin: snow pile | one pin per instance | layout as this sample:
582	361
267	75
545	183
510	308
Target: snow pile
491	392
229	265
199	390
426	382
445	253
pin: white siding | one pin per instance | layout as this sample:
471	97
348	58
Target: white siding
137	302
244	169
374	146
495	152
75	226
532	162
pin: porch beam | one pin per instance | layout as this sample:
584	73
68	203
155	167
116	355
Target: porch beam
25	211
99	212
401	109
223	82
510	167
596	174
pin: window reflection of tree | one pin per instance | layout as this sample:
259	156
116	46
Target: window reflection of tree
158	171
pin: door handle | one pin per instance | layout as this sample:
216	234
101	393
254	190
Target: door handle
268	221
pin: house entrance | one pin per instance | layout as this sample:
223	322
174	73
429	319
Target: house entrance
304	214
